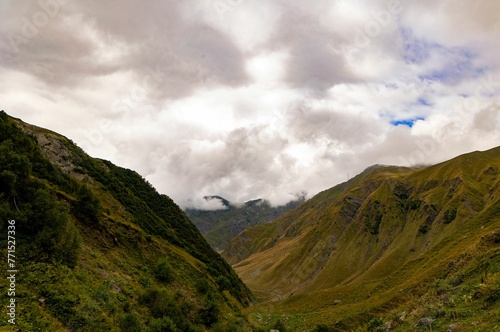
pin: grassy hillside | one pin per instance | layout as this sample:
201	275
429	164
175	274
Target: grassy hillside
392	249
98	249
220	226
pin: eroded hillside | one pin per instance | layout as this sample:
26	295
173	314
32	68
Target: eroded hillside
381	242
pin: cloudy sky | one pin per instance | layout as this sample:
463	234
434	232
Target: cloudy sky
250	98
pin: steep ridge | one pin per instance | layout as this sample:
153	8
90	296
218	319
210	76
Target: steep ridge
98	249
361	247
220	226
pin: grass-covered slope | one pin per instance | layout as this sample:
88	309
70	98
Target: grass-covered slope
98	249
384	250
220	226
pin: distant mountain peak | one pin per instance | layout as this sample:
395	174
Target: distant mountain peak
224	201
375	166
257	201
219	226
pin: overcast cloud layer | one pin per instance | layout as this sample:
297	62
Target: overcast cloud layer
248	99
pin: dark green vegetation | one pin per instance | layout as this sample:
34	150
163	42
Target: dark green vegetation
393	249
220	226
98	249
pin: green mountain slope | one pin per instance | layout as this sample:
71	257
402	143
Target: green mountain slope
220	226
425	242
98	249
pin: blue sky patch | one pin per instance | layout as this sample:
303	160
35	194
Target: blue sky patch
405	122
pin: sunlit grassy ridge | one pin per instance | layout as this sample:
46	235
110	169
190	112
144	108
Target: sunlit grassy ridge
390	247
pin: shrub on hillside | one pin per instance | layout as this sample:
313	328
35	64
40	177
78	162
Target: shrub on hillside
223	283
163	271
209	314
279	326
423	229
87	207
54	236
493	296
202	286
130	323
164	324
375	323
321	328
450	215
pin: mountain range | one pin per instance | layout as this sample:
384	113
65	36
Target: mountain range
220	226
392	249
97	248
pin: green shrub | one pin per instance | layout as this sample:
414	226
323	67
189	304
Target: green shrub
223	283
423	229
413	205
54	236
209	315
164	305
374	323
127	307
87	207
60	305
279	326
145	282
148	297
163	271
130	323
492	297
450	215
161	304
164	324
202	286
68	245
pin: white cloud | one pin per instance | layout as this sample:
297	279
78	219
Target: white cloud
250	100
268	68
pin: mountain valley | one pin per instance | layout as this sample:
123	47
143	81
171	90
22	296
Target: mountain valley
392	249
